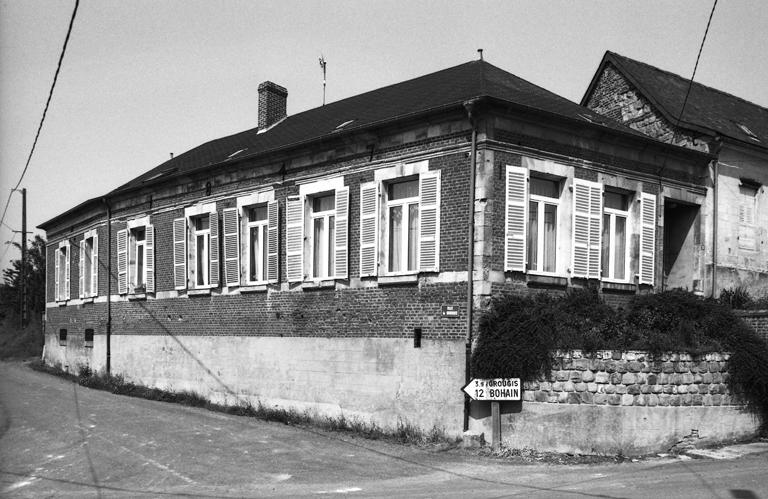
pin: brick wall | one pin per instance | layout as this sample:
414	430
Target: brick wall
633	379
757	320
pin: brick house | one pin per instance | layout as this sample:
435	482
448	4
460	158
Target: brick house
730	247
323	260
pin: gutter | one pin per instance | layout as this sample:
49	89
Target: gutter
109	284
471	108
715	182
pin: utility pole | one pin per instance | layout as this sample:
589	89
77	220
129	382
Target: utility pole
23	257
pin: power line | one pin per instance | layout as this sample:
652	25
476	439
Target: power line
45	111
690	82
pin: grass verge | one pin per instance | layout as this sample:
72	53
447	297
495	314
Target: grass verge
403	433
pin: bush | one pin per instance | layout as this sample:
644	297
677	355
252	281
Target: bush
519	334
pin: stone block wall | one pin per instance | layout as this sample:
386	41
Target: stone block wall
634	379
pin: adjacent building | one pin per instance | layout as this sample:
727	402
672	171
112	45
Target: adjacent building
337	260
729	246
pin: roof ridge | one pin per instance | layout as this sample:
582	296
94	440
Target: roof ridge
616	54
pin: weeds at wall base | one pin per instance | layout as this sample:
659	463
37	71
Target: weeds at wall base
403	433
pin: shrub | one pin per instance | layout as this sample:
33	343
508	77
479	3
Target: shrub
519	334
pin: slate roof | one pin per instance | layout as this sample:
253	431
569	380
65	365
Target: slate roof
445	89
708	110
441	90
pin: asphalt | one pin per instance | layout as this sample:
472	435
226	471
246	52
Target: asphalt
58	439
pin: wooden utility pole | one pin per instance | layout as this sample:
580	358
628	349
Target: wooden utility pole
23	257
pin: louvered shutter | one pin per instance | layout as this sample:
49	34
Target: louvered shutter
647	238
95	266
429	221
81	267
66	273
122	261
515	225
587	223
231	247
214	267
149	250
57	283
341	234
369	225
180	253
294	239
272	241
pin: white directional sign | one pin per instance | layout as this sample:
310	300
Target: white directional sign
493	389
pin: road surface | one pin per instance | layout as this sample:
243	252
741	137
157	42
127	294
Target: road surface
58	439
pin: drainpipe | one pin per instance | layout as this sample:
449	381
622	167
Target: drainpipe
715	178
109	284
470	106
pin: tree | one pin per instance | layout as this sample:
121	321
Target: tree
35	272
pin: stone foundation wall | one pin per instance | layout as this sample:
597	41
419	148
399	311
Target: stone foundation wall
633	379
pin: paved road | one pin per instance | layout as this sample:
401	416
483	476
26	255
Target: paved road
58	439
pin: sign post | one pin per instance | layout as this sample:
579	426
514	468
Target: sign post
494	390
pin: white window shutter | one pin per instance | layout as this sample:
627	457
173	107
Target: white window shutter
294	238
341	234
214	250
66	273
122	261
149	250
587	225
429	221
647	238
81	267
57	284
231	247
180	253
95	266
516	220
369	229
272	241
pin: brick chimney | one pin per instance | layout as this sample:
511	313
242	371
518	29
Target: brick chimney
272	99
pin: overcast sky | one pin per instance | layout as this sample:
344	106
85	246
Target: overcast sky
142	79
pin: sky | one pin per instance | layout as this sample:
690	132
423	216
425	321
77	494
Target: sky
143	79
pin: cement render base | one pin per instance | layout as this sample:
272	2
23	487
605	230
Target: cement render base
612	430
379	380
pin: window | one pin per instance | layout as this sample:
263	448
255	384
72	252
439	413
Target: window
89	265
62	336
196	248
323	219
542	224
402	229
402	214
317	232
88	338
615	257
62	271
136	257
257	226
201	244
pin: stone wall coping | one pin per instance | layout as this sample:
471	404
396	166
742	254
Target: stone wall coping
640	355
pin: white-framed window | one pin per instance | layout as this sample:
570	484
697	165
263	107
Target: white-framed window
400	221
62	257
322	216
317	231
542	230
615	240
257	227
89	264
402	226
196	248
136	257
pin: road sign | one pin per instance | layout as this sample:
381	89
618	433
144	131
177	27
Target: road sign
493	389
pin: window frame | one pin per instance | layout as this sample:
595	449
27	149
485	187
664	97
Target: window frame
542	202
405	204
328	243
62	284
126	246
200	265
613	214
262	228
185	248
89	285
